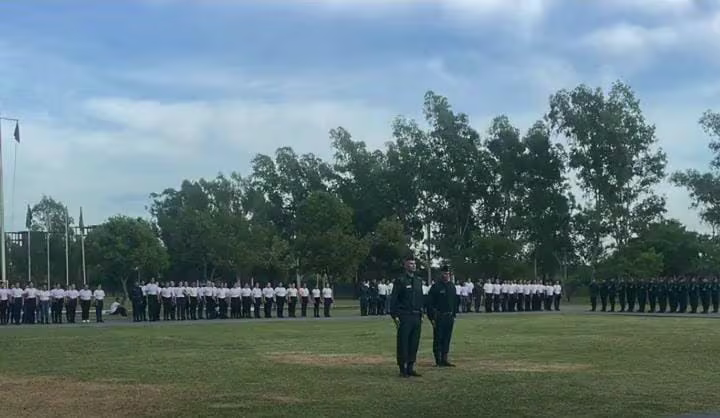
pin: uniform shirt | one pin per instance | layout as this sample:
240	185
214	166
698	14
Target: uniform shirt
16	292
192	292
504	288
488	288
179	292
246	292
166	292
208	291
227	291
464	291
257	292
57	293
72	294
268	292
316	293
512	289
292	292
549	290
407	296
304	292
85	294
235	292
4	294
458	290
327	293
99	294
152	289
221	292
114	306
31	292
144	290
526	289
280	292
441	299
382	289
469	288
44	295
390	288
426	289
557	289
496	289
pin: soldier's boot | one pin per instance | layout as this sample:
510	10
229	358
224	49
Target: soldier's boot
410	371
403	370
445	362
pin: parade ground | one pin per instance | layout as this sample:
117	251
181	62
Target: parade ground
566	364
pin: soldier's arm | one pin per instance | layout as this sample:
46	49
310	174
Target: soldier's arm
432	302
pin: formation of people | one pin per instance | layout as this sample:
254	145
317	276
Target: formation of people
661	295
31	305
491	296
208	300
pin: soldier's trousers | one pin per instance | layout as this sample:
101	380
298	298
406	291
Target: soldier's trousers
408	338
622	302
694	303
135	308
372	306
662	302
631	302
363	307
303	306
478	302
603	302
528	302
683	302
222	308
442	334
557	301
382	301
235	307
258	303
316	308
327	304
593	303
280	302
167	307
43	308
612	303
17	310
672	302
181	308
268	308
715	301
57	311
70	310
30	307
705	299
246	303
653	301
4	312
520	302
85	310
488	302
193	308
496	302
642	300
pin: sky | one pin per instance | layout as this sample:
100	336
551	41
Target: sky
121	99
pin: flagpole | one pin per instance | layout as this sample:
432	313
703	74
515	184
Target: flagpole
29	259
82	246
47	237
67	249
3	260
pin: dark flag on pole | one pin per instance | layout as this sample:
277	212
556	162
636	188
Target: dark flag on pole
16	135
28	218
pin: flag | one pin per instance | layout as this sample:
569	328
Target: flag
16	135
28	218
81	223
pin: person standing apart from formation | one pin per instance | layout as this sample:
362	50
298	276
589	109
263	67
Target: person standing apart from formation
117	309
246	300
304	294
180	302
85	300
30	304
280	295
441	313
327	299
4	304
71	301
44	307
316	302
557	295
235	301
58	296
268	295
257	295
99	297
292	294
406	310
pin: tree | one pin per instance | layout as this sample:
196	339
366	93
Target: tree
122	248
614	151
704	188
388	246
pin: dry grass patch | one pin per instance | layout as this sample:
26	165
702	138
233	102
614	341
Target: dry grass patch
314	359
520	366
33	396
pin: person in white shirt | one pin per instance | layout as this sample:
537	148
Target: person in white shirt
30	304
280	295
316	302
71	302
221	295
268	296
426	296
99	296
58	296
496	295
512	297
235	301
304	294
327	299
166	294
458	298
152	290
16	300
257	295
488	290
4	303
549	290
389	292
382	297
116	308
527	296
464	298
246	300
44	307
85	302
292	294
180	302
209	300
504	299
557	295
193	291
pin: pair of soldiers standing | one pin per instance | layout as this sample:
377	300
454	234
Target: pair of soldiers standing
406	309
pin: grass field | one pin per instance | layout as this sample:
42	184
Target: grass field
512	365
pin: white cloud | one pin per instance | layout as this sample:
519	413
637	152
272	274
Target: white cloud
627	39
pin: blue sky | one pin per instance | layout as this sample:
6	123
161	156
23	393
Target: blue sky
121	99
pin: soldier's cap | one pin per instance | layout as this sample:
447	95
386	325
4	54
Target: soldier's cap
445	268
409	257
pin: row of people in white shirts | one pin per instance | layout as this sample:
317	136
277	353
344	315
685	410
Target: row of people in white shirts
170	290
526	288
57	293
385	289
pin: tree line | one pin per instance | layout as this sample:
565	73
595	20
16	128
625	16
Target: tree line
573	197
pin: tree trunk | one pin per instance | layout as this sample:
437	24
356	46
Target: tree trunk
124	281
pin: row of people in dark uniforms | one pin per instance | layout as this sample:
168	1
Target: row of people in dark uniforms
189	301
657	295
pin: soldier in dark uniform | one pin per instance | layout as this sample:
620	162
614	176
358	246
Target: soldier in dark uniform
594	288
662	293
406	304
630	292
682	295
477	295
672	295
652	292
612	293
374	298
642	288
364	298
715	294
604	289
136	296
693	294
441	312
621	294
705	289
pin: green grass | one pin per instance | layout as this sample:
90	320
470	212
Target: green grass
514	365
